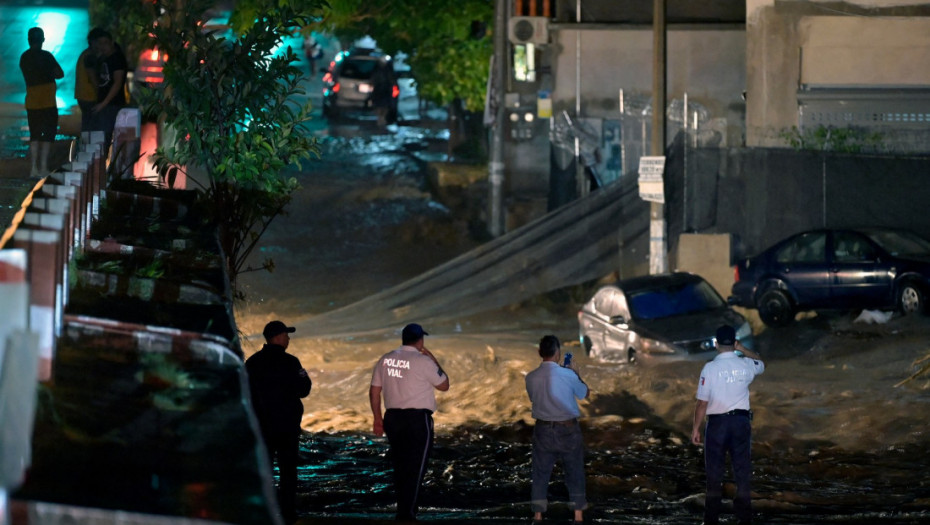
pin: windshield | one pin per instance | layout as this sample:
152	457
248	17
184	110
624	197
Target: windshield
670	301
358	69
901	243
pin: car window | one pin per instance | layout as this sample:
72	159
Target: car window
805	248
679	299
850	247
900	243
357	69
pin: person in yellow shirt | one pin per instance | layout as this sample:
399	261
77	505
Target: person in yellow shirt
40	71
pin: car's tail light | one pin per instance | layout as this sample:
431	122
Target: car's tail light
395	91
336	87
736	273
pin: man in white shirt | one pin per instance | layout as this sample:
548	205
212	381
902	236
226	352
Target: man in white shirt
723	397
407	378
554	391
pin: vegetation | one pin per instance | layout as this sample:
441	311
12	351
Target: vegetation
128	21
229	102
448	47
829	138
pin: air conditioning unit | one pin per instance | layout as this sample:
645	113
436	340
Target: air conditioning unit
528	30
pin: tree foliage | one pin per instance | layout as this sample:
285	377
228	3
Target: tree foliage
829	138
229	100
447	43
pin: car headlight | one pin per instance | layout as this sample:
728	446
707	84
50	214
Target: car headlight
653	346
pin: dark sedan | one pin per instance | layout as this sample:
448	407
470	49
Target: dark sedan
835	269
657	316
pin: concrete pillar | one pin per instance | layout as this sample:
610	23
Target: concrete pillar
43	274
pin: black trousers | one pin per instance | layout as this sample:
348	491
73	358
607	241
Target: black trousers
728	434
283	446
410	434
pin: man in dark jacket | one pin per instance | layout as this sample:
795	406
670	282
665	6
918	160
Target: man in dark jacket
277	382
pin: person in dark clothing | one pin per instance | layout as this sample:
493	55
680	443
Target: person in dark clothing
111	66
40	71
277	382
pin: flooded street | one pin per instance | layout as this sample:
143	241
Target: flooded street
836	440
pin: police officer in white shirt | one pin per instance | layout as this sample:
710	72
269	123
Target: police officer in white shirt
723	396
408	378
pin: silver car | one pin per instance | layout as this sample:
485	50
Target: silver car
657	316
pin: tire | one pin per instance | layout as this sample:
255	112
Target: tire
910	299
775	309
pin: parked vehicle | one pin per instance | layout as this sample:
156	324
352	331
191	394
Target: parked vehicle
657	316
835	269
360	80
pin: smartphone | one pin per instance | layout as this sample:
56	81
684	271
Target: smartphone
568	359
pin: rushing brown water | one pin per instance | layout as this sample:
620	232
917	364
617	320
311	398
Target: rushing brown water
837	436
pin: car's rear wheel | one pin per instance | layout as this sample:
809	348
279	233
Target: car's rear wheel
775	308
910	299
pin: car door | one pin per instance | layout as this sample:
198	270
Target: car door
859	278
801	263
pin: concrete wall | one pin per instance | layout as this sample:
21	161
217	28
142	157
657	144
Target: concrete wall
790	45
707	64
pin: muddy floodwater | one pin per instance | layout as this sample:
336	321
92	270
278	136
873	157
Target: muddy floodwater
839	434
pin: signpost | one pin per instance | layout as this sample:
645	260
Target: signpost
651	188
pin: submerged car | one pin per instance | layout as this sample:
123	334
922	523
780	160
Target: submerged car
359	80
657	316
835	269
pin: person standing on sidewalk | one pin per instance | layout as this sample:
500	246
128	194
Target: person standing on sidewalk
408	378
277	382
40	71
554	391
111	67
85	80
723	397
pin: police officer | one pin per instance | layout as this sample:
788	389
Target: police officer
277	382
407	378
723	397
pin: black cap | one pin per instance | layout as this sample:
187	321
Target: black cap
412	333
726	335
275	328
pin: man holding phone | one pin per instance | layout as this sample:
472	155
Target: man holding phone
554	391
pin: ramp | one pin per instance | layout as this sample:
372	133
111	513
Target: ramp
576	243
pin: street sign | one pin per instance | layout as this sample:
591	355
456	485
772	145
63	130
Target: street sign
651	186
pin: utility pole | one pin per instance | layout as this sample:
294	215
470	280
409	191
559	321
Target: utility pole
658	262
498	85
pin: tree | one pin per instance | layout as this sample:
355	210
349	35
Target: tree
229	100
447	43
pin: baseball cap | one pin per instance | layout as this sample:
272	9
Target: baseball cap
726	335
277	327
412	332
